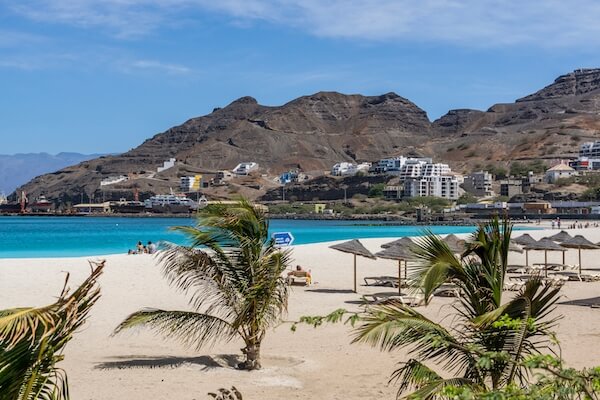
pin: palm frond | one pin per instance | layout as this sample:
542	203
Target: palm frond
190	328
438	264
434	389
413	374
392	325
32	341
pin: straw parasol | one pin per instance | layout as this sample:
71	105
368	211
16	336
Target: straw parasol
546	245
455	244
402	242
525	240
561	236
356	248
399	253
579	242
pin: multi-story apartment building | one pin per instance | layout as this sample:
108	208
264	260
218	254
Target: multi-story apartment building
444	186
479	184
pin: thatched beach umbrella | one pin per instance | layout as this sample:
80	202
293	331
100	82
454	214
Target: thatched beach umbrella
356	248
400	253
402	242
561	236
456	244
579	242
525	240
546	245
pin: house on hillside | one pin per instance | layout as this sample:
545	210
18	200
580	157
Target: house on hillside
245	168
344	169
559	171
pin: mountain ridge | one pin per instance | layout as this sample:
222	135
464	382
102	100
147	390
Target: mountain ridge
17	169
313	132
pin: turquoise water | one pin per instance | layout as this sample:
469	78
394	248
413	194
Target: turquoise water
24	237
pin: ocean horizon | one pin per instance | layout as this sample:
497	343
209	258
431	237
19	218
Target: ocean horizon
26	237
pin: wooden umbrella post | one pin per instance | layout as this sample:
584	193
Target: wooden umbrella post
564	257
546	263
579	249
399	277
527	258
355	273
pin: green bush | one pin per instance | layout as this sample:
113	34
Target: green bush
466	199
377	190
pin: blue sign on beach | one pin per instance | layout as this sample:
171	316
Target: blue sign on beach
283	238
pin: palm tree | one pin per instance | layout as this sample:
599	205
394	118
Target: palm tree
32	341
488	341
232	271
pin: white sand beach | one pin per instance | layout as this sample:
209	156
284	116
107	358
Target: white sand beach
308	364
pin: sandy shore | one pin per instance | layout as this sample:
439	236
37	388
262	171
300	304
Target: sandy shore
308	364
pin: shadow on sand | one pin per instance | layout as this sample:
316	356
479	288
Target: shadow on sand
330	290
205	362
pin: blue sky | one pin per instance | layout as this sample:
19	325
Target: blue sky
102	76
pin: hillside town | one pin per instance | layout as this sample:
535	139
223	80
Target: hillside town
393	187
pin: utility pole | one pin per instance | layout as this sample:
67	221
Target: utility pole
283	192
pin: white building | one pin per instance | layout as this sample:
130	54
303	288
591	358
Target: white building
390	166
343	169
589	157
590	149
417	167
435	169
363	167
245	168
190	183
479	184
166	165
444	186
559	171
111	180
412	168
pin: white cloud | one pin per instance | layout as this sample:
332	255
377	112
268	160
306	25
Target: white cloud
157	66
10	38
546	23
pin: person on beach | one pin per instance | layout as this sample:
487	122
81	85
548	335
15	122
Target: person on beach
151	247
140	247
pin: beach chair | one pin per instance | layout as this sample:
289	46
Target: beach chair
589	277
516	269
299	277
390	281
569	275
411	301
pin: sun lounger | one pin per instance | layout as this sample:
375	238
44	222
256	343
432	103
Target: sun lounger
570	275
515	268
554	266
590	277
412	301
390	281
301	277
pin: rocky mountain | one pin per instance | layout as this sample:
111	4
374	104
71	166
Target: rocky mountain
313	132
18	169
